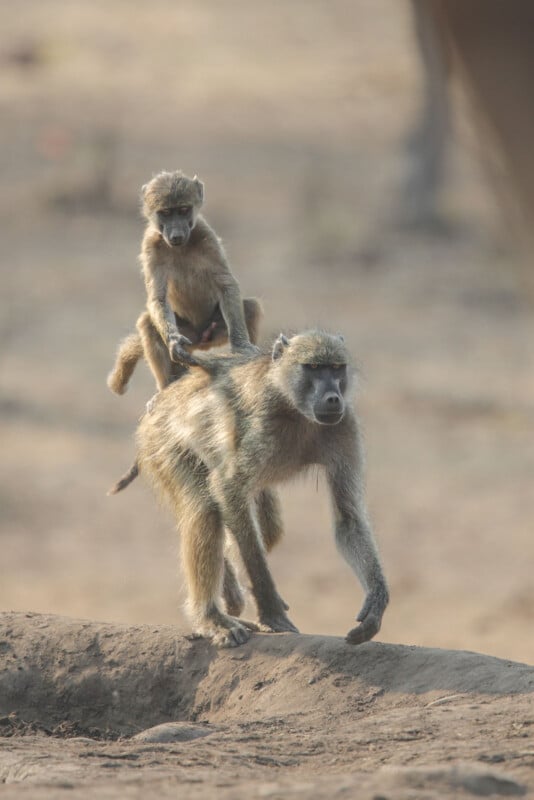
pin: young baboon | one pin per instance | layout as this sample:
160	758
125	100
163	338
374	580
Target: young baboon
215	441
193	299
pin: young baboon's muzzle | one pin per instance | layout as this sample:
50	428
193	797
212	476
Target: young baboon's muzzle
177	239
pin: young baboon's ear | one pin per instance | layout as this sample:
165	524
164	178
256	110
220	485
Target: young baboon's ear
341	337
200	189
279	346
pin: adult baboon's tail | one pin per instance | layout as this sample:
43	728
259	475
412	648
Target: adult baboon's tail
126	479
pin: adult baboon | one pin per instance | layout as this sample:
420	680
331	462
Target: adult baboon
214	442
193	299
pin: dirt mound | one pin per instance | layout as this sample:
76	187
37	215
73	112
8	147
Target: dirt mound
80	702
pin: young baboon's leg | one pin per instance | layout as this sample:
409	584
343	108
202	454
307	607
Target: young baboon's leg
202	532
155	351
232	593
130	351
253	314
234	503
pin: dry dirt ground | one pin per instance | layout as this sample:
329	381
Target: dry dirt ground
296	117
101	710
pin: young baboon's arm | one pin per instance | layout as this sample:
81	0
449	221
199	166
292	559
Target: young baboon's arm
162	314
356	544
231	305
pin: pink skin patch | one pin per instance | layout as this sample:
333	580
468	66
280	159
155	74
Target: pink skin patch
206	335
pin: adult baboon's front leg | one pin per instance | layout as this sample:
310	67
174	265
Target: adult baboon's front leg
356	544
235	505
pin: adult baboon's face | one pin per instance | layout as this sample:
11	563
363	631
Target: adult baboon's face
312	373
322	388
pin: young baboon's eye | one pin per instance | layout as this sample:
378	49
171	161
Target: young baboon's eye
338	366
183	210
310	366
165	212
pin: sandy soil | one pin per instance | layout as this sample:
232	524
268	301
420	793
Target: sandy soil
296	117
281	716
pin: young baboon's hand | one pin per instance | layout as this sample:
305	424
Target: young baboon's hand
178	353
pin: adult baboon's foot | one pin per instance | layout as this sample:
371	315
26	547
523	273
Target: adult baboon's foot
227	631
277	623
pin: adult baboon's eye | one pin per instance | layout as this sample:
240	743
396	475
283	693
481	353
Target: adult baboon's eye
338	366
165	212
310	366
183	210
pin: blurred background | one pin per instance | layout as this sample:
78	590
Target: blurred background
309	124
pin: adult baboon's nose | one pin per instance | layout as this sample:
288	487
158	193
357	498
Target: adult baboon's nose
333	401
176	238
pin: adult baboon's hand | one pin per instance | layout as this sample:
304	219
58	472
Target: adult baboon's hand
370	618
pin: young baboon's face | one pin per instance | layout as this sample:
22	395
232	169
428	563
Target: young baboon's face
175	223
313	374
171	202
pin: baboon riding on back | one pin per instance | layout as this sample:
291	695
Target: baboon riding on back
193	298
214	443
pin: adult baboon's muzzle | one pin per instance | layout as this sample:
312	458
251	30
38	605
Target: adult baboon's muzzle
329	410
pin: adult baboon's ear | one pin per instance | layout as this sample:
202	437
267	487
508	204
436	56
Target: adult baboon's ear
341	337
279	346
199	186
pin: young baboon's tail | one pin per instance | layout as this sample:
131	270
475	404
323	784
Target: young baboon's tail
126	479
130	351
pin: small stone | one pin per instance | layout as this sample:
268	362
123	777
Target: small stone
172	732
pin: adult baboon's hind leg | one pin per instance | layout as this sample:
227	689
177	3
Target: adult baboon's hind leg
202	533
232	498
232	592
270	522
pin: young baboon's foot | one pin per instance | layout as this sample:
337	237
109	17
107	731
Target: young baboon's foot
277	623
116	384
